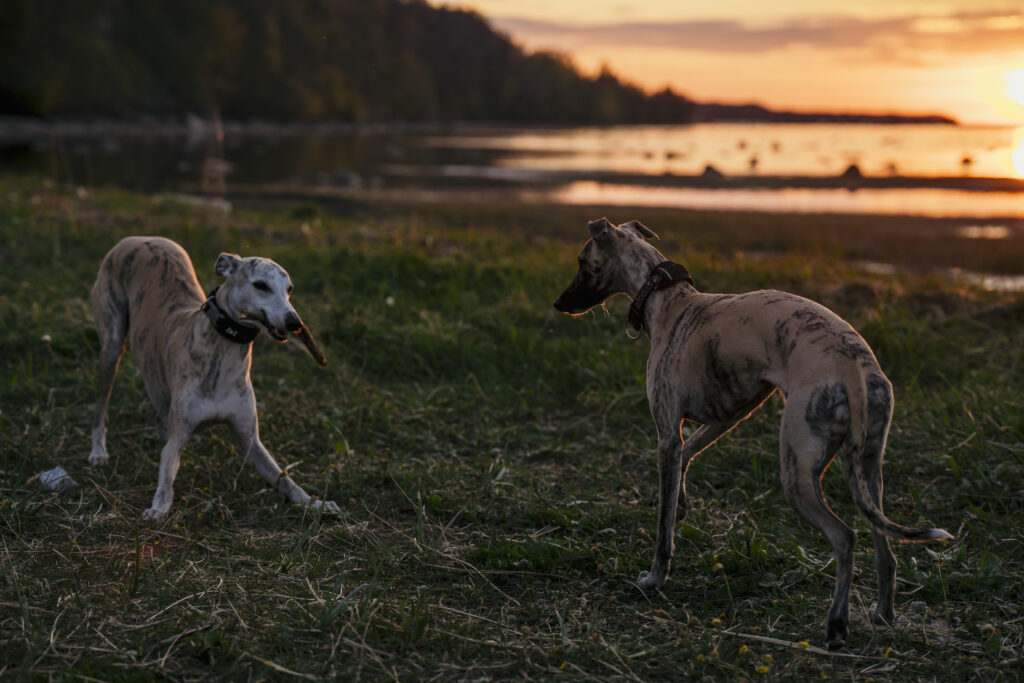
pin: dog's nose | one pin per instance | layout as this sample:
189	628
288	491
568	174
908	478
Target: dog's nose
558	304
292	323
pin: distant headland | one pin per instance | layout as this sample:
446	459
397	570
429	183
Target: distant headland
713	112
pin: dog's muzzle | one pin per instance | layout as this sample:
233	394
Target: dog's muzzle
276	334
575	300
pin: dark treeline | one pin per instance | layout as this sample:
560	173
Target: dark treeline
306	60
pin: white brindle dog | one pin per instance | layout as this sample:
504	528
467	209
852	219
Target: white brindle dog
193	351
715	358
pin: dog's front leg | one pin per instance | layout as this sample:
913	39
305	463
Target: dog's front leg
247	433
178	432
674	457
705	435
669	475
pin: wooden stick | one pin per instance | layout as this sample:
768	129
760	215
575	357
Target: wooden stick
314	349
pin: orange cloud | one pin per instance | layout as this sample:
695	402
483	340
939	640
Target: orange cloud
933	64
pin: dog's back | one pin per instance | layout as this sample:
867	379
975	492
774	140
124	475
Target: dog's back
751	337
146	279
146	292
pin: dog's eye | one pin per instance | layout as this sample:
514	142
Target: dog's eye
291	288
261	285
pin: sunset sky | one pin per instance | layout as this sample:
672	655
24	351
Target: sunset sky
962	58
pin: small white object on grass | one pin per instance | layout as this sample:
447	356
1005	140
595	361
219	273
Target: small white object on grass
58	480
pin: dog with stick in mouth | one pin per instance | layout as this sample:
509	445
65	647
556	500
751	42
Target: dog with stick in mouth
715	358
193	351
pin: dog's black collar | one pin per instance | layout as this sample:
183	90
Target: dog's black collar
665	274
228	327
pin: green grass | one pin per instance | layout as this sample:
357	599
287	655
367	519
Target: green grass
494	461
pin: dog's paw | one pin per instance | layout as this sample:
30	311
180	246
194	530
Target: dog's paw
648	581
98	457
153	515
878	618
836	634
327	507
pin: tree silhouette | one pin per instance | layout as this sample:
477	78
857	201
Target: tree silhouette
352	60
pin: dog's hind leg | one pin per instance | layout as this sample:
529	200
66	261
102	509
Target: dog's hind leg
692	447
110	310
806	452
884	612
879	414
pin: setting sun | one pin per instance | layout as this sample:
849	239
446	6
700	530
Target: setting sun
1014	85
1017	156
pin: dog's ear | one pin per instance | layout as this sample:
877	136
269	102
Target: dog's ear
596	228
640	230
227	264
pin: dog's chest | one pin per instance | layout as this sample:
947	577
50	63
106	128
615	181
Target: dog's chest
208	370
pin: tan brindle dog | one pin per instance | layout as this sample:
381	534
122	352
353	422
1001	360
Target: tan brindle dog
193	352
715	358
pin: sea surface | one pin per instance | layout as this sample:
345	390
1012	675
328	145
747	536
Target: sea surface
930	170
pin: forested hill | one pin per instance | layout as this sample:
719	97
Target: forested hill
305	60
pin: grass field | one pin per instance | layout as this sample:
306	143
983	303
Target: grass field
494	460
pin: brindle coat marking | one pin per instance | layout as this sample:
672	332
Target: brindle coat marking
147	292
715	358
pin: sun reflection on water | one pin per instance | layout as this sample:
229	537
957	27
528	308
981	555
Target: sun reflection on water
936	203
984	232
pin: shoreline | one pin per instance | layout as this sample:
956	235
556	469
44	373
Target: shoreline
715	180
24	128
22	132
914	202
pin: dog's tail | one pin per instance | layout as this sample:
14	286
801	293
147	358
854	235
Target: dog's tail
870	412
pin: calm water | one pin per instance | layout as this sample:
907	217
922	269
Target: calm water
640	165
767	149
653	156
